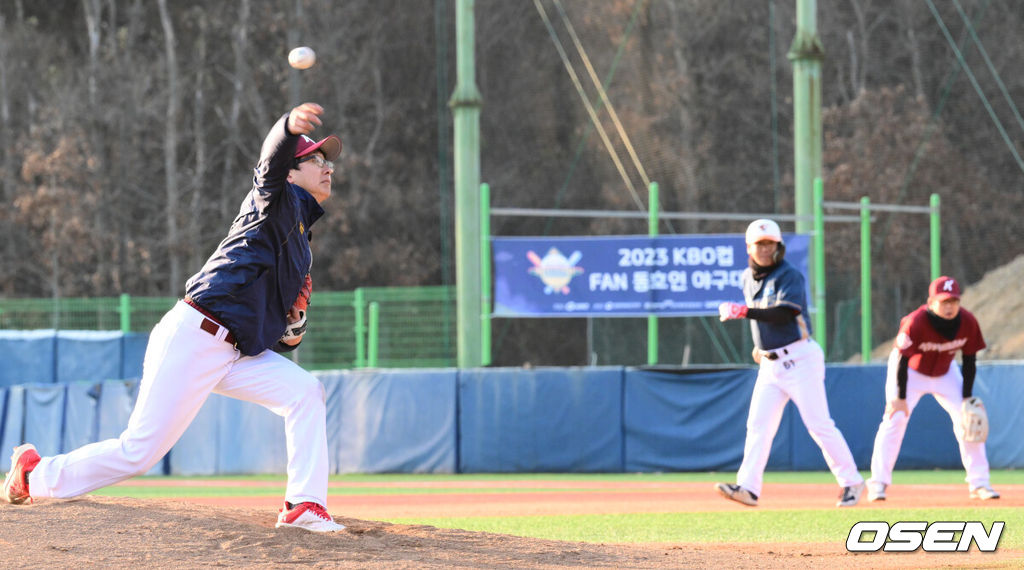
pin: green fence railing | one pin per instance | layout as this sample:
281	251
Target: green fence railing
415	326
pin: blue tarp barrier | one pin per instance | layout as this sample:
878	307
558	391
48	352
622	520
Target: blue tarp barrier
197	452
81	421
27	357
1001	387
44	417
679	421
396	421
332	381
133	352
697	422
856	400
47	356
250	439
89	355
521	420
13	428
117	399
543	420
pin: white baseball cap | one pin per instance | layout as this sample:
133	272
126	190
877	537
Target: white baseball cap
763	229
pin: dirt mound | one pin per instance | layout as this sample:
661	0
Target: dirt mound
999	306
105	532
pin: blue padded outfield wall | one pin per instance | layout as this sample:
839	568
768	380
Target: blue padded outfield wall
68	356
603	419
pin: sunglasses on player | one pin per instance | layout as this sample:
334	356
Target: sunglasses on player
318	160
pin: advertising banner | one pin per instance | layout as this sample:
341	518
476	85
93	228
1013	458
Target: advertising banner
623	276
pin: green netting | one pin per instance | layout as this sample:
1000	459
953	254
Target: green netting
415	330
415	326
681	341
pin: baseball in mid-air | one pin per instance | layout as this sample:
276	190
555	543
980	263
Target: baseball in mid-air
302	57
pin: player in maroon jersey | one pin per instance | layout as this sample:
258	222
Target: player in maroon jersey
922	363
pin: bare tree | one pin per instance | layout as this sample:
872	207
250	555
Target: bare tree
6	145
175	281
200	152
239	78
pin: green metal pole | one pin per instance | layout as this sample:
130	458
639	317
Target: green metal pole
358	303
126	313
373	334
465	103
936	241
652	230
806	54
485	274
865	279
818	289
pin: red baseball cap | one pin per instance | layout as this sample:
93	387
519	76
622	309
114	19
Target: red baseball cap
944	288
330	146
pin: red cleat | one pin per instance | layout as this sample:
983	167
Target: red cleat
23	461
307	516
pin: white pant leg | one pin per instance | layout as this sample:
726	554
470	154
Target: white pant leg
891	430
802	375
948	392
767	404
182	365
284	388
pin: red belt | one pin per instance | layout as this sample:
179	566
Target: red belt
210	324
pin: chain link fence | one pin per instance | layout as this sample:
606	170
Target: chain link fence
413	326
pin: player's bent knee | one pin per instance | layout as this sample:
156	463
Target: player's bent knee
310	390
896	421
139	463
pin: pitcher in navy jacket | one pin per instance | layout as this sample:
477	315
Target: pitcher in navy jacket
224	338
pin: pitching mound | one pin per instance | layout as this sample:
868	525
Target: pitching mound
117	532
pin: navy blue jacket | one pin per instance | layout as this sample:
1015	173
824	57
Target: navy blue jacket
783	287
255	275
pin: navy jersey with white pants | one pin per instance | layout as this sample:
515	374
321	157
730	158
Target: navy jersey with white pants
206	345
792	367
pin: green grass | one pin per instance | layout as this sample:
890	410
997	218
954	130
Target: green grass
1004	476
733	526
748	525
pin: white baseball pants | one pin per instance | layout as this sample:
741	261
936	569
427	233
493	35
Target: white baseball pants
948	392
798	376
182	366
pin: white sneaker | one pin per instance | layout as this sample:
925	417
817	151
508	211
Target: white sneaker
984	493
850	495
876	491
307	516
737	493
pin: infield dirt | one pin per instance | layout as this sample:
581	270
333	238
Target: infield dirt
95	531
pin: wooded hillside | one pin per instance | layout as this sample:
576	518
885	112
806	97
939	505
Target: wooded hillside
129	128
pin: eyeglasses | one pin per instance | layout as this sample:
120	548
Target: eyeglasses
318	160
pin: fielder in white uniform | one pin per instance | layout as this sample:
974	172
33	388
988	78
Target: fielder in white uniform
922	363
792	367
224	337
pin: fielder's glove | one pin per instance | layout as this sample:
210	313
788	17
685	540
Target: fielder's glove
974	420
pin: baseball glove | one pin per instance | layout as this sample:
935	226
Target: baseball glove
974	420
296	329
